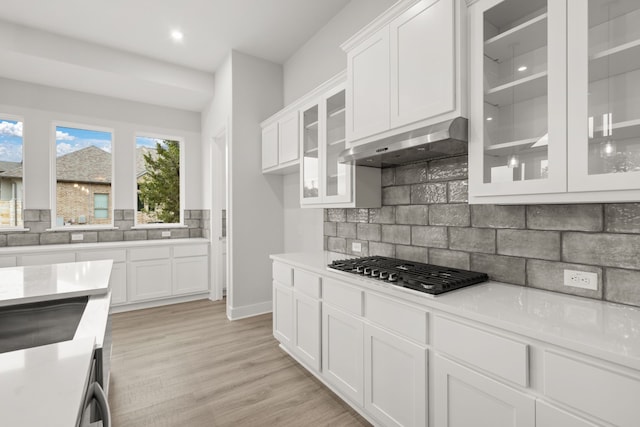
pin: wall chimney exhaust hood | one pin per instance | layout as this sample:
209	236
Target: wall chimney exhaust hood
443	139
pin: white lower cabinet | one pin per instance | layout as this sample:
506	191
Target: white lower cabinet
190	270
465	398
306	329
149	279
343	352
283	313
395	379
549	416
118	279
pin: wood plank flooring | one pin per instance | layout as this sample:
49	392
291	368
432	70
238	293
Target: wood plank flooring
187	365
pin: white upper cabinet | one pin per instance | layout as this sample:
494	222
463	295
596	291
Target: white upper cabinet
405	70
280	143
555	101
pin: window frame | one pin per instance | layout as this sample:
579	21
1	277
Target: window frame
53	172
181	143
18	118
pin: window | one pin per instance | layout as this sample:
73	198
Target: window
83	171
100	206
11	173
159	197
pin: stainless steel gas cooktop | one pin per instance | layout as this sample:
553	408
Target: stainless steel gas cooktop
428	278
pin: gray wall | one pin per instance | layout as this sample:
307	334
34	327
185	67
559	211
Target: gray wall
425	217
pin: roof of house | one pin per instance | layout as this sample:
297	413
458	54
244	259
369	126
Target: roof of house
90	164
5	166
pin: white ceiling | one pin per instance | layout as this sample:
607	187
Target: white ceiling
268	29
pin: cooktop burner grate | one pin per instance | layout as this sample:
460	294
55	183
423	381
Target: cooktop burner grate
428	278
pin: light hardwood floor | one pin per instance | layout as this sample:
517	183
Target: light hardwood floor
187	365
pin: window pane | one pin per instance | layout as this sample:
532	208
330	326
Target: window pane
158	180
10	173
83	171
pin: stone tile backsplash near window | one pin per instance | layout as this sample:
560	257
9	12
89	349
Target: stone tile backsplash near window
39	220
425	217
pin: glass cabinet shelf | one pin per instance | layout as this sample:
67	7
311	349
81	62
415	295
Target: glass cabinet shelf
517	91
526	37
617	60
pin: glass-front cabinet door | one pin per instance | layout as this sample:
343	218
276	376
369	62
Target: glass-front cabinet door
311	166
517	140
604	94
337	176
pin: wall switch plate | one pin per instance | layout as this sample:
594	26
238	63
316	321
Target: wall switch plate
166	234
356	247
581	279
77	236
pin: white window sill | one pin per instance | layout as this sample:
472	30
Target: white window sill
13	230
83	228
152	226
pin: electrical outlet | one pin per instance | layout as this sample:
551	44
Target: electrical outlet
581	279
356	247
166	234
77	236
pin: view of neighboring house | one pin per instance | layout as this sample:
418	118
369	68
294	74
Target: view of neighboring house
83	188
10	194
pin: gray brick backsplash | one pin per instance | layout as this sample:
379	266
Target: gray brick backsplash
446	169
501	268
128	214
357	215
87	237
337	244
330	229
368	232
383	215
156	234
135	235
37	226
336	215
23	239
186	214
123	225
425	215
495	216
452	215
54	238
458	191
45	215
565	217
31	215
447	258
412	253
388	177
346	229
411	174
179	233
192	223
550	276
364	247
3	240
110	236
195	232
610	250
396	195
473	239
118	215
196	214
433	237
622	286
413	214
382	249
530	244
400	234
429	193
622	218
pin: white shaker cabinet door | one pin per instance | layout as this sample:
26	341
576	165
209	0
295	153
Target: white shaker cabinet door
464	398
306	329
283	314
190	275
550	416
423	71
288	138
395	379
342	352
118	283
270	146
149	279
368	92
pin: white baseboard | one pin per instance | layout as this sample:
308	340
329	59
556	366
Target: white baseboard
157	303
235	313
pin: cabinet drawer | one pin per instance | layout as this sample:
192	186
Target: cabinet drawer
398	317
48	258
344	296
185	251
307	283
116	256
140	254
282	274
480	348
8	261
596	390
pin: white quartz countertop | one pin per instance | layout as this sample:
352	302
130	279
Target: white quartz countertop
601	329
22	285
45	386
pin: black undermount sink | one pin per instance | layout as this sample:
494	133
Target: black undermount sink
32	325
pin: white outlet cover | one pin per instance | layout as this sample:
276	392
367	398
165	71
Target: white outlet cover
356	246
581	279
166	234
77	236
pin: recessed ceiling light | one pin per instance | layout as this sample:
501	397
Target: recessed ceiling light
177	35
523	68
